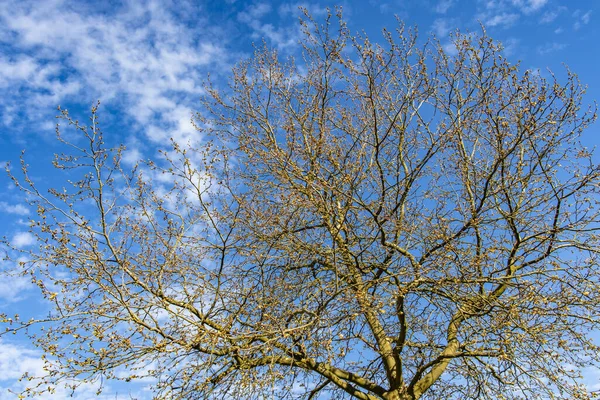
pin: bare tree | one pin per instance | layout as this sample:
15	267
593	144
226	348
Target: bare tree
377	222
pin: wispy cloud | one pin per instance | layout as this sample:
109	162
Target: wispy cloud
510	46
132	155
143	58
254	12
585	18
551	15
13	288
280	37
18	209
505	13
503	19
16	359
529	6
450	48
441	27
550	48
581	18
443	6
22	239
291	9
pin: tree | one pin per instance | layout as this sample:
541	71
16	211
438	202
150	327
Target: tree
379	222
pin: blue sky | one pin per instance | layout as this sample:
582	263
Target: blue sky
147	61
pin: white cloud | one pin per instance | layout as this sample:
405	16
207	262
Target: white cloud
16	360
18	209
280	37
529	6
450	48
13	288
441	27
510	46
550	48
177	125
582	18
292	9
23	239
537	4
585	18
141	57
490	4
591	378
131	155
505	13
551	15
443	6
503	19
253	12
17	68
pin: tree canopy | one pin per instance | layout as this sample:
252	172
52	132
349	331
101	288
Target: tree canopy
374	221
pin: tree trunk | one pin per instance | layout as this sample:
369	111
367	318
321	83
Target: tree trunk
398	395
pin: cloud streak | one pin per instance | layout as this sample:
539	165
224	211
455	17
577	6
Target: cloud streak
141	58
23	239
18	209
